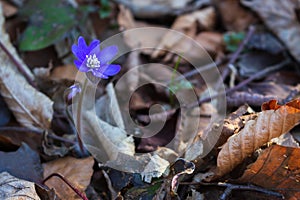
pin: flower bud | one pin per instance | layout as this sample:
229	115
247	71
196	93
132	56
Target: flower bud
71	93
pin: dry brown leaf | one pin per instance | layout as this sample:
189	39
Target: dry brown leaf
12	188
132	78
31	108
234	123
186	24
160	8
64	72
137	39
205	19
125	18
4	38
77	171
273	121
210	41
277	167
8	9
234	16
281	18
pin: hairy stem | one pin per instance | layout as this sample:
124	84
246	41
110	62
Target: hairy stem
78	116
35	131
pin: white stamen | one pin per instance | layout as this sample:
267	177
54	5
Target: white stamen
92	61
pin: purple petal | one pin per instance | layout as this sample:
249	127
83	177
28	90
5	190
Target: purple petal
112	70
107	54
77	63
81	66
78	52
81	44
73	91
93	45
99	74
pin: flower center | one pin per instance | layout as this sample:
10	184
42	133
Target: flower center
92	61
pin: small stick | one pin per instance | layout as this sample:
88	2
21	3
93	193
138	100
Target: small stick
230	187
80	194
18	65
243	83
198	70
162	115
35	131
237	54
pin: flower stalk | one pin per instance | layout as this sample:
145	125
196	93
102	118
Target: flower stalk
78	117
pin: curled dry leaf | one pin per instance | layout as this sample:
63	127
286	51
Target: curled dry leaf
105	144
76	171
102	139
31	108
273	121
4	38
13	188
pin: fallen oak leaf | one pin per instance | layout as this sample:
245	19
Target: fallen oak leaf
273	121
281	173
77	171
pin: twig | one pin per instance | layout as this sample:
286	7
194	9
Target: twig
232	60
79	113
35	131
198	70
18	65
162	115
80	194
236	54
230	187
243	83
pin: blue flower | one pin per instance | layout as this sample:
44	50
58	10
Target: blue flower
92	59
71	92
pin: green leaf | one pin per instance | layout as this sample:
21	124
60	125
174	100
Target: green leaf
49	22
232	40
105	9
144	192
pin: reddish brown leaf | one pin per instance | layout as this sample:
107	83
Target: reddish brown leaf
277	167
77	171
